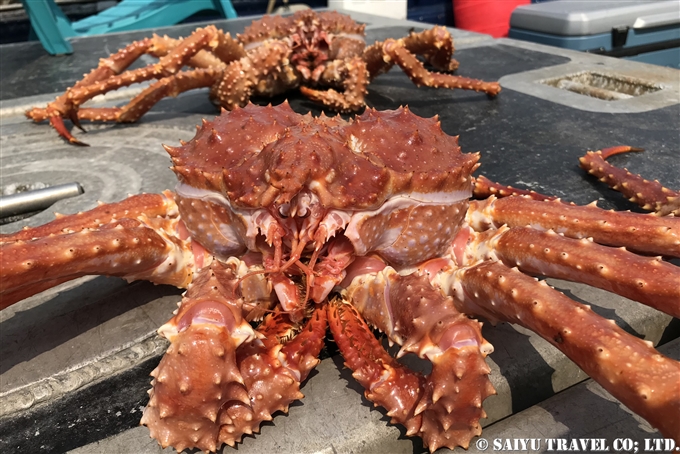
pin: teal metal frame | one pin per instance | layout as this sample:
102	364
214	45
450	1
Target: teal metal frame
52	27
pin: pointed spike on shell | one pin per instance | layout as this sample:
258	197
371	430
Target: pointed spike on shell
211	414
164	411
421	407
172	151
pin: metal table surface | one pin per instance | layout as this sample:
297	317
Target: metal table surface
74	361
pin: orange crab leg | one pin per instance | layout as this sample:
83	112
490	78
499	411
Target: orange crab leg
108	67
106	240
150	205
484	188
63	105
436	44
375	369
168	86
353	76
223	49
168	65
415	70
125	248
650	195
645	233
273	370
628	367
648	280
444	407
100	81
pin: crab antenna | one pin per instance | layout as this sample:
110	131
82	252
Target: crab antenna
277	242
294	259
309	271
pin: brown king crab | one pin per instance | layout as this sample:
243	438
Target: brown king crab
303	222
324	54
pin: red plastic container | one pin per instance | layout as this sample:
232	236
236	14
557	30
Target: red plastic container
485	16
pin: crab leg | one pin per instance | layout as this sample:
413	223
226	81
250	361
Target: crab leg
151	205
444	407
650	195
272	372
96	242
354	77
168	65
219	378
62	106
223	49
140	104
484	188
245	76
648	280
208	74
167	86
436	45
199	375
414	69
125	248
645	233
629	368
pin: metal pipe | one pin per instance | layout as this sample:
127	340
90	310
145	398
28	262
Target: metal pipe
37	200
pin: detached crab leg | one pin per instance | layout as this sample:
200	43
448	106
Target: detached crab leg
648	280
628	367
650	195
444	407
644	233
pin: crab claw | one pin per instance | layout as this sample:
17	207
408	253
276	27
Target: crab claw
272	372
444	408
198	375
219	378
58	124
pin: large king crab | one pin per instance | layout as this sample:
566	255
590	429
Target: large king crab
302	222
319	53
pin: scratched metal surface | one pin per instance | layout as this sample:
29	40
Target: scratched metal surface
76	359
